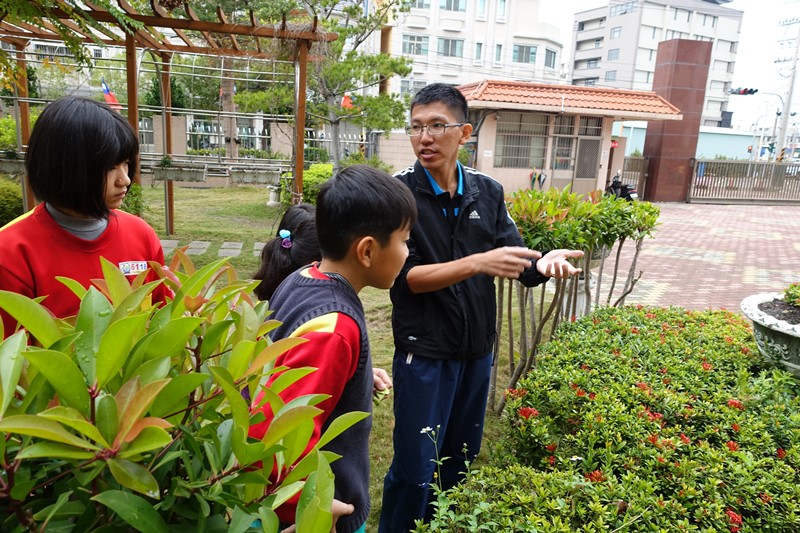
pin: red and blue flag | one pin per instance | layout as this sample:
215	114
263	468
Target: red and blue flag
111	100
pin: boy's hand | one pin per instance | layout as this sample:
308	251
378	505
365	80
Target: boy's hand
556	263
337	509
381	383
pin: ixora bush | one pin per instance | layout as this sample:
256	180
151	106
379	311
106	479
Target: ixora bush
134	416
640	419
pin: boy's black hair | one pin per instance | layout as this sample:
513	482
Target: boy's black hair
445	94
361	201
74	144
279	260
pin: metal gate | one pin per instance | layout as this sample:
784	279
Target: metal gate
728	182
634	172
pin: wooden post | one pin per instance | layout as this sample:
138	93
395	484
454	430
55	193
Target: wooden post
300	71
166	106
24	120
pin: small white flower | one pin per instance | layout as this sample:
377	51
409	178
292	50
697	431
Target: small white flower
576	458
426	429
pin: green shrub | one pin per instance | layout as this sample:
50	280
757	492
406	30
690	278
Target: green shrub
313	178
374	161
792	295
317	154
134	201
10	201
206	152
642	419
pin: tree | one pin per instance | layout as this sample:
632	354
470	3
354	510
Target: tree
152	97
346	66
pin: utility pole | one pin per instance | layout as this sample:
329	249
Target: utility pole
781	140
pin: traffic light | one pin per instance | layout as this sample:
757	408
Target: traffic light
743	90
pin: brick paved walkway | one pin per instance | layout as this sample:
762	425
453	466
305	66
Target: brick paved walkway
712	256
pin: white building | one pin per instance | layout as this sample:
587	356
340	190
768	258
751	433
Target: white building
462	41
615	45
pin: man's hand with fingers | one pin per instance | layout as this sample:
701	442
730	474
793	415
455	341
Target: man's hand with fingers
556	263
507	261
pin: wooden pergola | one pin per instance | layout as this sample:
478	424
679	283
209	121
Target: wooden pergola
189	34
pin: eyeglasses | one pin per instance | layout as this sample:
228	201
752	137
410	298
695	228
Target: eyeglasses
437	128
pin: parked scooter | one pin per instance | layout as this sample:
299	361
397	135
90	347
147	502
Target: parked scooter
622	190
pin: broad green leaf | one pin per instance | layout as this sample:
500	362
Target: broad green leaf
53	450
176	391
313	508
11	360
37	426
61	509
72	418
339	425
241	520
76	288
134	476
287	492
308	464
296	441
287	422
172	338
194	284
247	453
269	520
118	285
64	375
239	410
107	417
247	326
150	438
137	407
93	319
87	474
215	335
116	344
133	302
33	316
125	395
134	510
240	358
153	370
271	352
289	377
144	423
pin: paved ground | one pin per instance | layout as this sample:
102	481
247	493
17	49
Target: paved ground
701	256
712	256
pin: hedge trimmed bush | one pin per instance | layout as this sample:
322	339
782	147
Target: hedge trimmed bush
10	201
640	419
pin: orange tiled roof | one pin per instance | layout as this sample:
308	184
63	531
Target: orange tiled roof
618	103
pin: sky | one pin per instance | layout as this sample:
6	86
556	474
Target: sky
759	48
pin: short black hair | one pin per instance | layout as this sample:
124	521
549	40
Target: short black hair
444	94
279	259
74	144
361	201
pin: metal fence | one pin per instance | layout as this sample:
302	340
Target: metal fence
744	181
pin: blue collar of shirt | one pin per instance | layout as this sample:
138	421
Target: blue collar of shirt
438	190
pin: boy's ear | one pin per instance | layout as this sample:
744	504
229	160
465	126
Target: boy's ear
365	250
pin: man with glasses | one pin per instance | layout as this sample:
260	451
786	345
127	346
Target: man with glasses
443	315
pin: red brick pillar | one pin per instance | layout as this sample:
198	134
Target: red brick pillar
680	78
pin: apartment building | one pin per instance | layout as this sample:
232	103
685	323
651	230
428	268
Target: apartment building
463	41
615	45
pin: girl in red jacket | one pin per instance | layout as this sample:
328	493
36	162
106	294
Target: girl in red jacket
79	159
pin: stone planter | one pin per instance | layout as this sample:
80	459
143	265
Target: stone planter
254	176
777	340
12	166
195	174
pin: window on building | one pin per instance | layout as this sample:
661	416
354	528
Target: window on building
613	54
524	54
675	34
565	125
611	75
97	53
734	47
411	86
421	4
453	5
478	52
549	58
501	9
50	51
653	54
564	143
521	140
598	43
592	63
622	9
710	20
581	26
656	33
590	127
590	82
498	53
451	47
415	45
681	15
481	8
616	32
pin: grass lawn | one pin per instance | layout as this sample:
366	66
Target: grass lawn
240	214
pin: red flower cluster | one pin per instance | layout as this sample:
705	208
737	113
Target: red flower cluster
781	453
732	445
595	476
552	460
516	393
528	412
650	315
736	404
707	366
685	439
735	427
735	520
551	447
